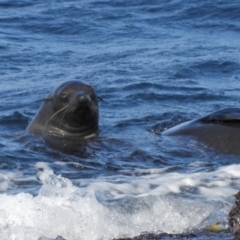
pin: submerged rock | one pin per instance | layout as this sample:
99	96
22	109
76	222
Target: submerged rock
198	235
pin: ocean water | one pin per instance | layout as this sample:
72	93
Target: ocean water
155	64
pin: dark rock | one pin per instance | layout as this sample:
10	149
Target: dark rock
57	238
234	217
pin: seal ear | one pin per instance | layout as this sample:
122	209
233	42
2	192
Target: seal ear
99	98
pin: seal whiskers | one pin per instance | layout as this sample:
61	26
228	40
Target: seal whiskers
56	113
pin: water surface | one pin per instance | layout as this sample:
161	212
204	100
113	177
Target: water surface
155	64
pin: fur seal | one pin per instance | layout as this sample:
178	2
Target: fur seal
219	130
71	110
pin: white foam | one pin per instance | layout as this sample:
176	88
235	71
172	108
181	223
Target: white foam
118	206
6	179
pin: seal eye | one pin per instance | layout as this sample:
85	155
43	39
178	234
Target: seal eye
64	96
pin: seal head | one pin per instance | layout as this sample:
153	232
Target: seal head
71	110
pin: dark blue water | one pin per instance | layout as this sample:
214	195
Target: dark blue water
155	64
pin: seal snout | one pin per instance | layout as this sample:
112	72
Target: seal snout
79	99
83	98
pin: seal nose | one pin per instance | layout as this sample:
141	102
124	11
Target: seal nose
82	98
